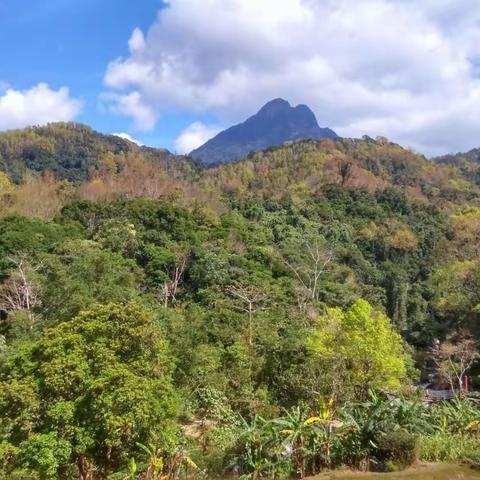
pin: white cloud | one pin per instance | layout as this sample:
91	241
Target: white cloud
37	106
405	69
128	137
132	105
193	136
137	41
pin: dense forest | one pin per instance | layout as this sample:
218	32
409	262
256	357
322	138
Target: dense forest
268	318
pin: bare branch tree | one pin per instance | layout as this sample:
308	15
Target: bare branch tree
309	262
252	300
19	292
168	290
455	357
345	171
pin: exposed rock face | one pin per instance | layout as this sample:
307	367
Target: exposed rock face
276	123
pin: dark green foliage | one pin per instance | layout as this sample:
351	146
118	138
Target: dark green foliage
32	236
87	391
142	302
80	274
398	448
73	152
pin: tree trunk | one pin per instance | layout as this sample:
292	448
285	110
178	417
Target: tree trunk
85	468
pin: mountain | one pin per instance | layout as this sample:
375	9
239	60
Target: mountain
468	163
74	152
106	166
276	122
304	168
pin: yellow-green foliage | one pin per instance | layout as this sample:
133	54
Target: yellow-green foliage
452	285
362	346
400	236
447	447
303	168
6	190
5	184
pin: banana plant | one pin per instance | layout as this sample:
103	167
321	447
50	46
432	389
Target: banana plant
260	447
155	462
132	470
161	468
366	422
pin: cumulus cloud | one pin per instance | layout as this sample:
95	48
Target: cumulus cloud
137	41
405	69
193	136
132	105
128	137
36	106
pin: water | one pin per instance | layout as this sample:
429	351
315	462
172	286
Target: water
423	472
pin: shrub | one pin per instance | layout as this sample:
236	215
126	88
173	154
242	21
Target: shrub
399	447
445	447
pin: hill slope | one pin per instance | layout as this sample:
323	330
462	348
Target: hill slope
303	168
108	167
74	152
276	123
468	163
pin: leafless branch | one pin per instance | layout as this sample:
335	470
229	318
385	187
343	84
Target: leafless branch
19	292
310	264
168	291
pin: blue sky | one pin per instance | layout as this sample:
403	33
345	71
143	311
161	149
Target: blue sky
172	74
69	43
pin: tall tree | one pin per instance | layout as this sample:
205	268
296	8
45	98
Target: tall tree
88	391
308	258
359	350
20	292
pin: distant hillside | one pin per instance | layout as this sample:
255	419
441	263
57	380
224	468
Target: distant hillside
303	168
105	167
468	163
276	123
73	152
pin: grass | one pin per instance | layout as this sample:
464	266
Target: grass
449	448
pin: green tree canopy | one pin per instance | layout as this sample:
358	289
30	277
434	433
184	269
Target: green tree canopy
359	349
81	274
87	391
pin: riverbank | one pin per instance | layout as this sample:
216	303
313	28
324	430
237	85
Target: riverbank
418	472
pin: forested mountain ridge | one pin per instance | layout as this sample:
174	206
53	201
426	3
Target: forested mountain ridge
305	167
468	163
157	316
73	152
106	166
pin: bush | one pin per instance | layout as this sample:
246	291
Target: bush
448	448
398	447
